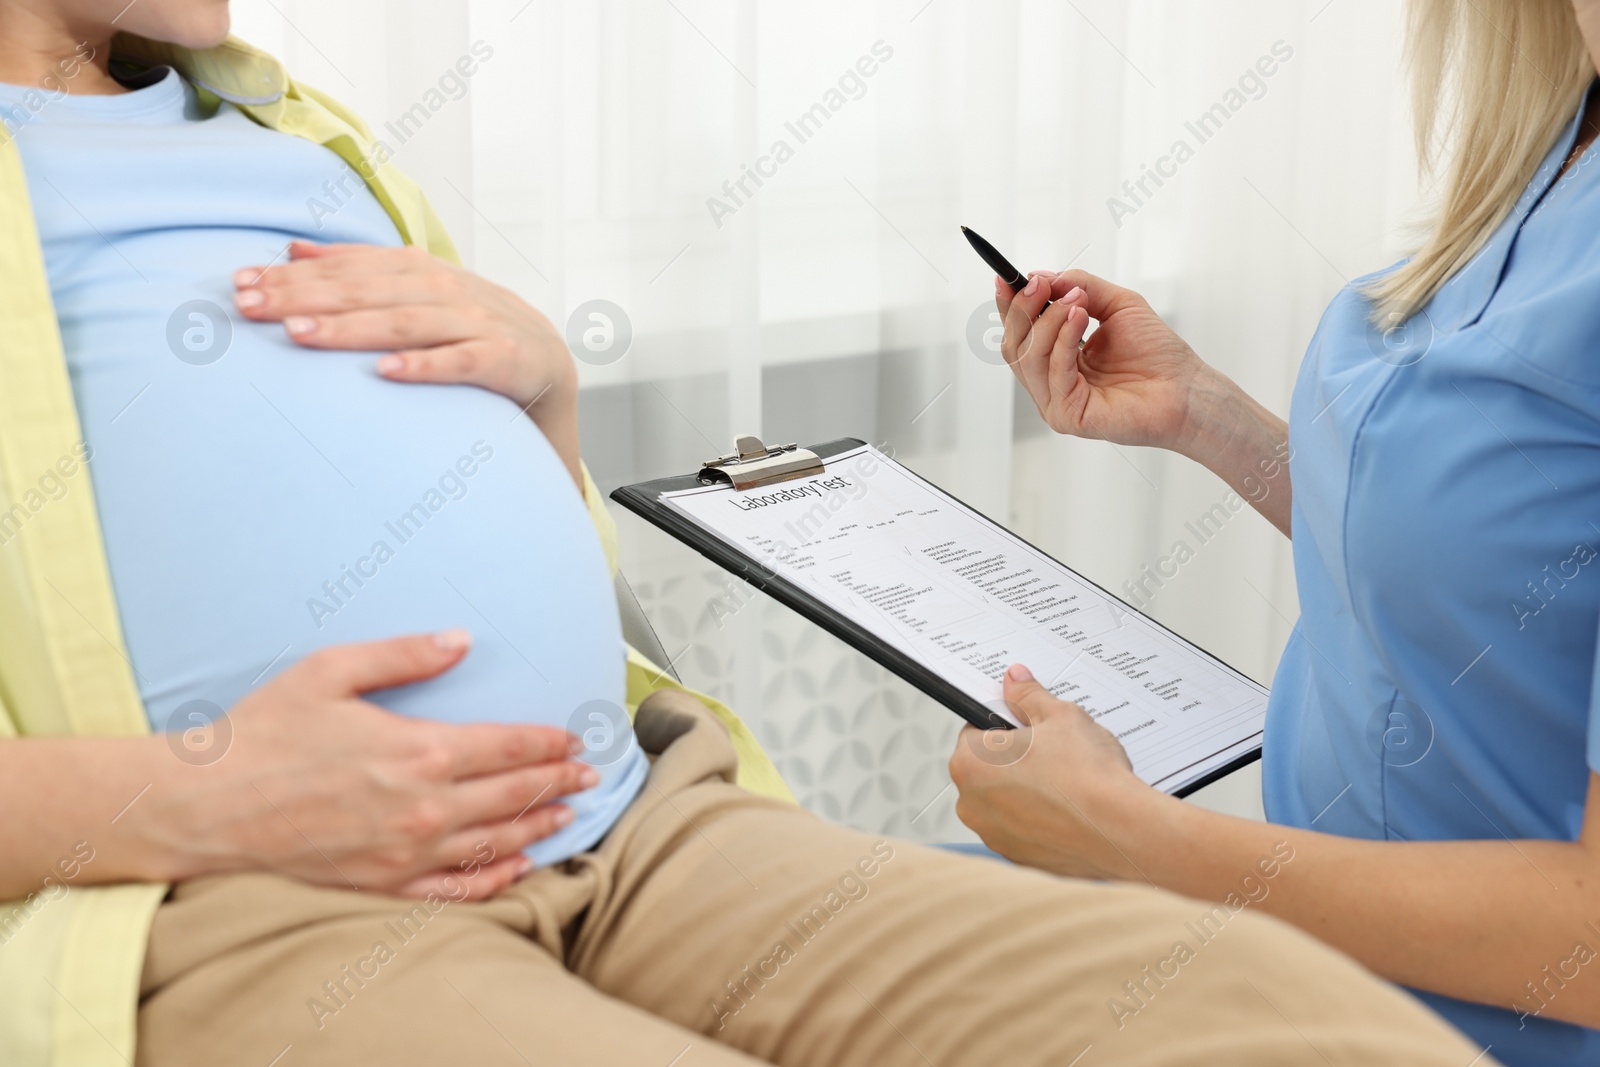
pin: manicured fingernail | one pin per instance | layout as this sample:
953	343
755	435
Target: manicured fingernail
1019	673
575	744
300	325
249	298
588	778
524	866
391	364
1076	294
453	640
1032	287
562	816
246	276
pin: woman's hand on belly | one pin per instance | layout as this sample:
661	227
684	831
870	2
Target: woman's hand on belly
327	788
437	322
1134	381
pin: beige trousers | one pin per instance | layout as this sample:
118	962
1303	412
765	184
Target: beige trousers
716	927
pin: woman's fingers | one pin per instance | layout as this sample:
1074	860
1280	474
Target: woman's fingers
458	886
1035	364
1031	702
489	362
1065	374
475	749
1032	364
516	795
311	250
439	335
274	303
320	263
1020	315
407	326
1002	296
347	670
1100	298
505	838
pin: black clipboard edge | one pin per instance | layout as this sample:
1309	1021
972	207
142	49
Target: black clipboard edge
644	500
1218	774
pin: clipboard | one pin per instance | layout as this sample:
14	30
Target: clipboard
753	464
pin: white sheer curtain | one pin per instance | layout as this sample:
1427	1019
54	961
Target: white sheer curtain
596	152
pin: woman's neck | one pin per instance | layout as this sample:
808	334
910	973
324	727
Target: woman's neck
37	49
1588	131
1588	12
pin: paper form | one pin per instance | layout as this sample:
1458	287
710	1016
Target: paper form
967	599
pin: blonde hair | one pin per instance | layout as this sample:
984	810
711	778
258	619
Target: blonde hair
1494	82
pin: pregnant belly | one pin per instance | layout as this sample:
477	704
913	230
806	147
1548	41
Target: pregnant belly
280	500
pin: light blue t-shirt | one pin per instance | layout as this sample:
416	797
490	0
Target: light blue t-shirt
1441	682
260	500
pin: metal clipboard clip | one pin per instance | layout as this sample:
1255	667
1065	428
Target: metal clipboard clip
753	464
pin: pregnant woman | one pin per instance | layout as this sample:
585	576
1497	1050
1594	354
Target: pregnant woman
1433	738
311	433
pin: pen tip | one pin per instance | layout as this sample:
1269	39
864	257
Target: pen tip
965	230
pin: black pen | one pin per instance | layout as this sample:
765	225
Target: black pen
998	263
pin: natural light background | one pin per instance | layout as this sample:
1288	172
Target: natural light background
577	163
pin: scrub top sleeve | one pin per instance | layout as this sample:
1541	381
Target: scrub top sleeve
1594	715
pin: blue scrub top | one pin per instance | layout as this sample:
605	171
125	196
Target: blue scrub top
1441	682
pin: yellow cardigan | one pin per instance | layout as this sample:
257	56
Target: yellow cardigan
70	960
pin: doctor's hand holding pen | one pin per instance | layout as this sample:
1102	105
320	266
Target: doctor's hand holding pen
1133	381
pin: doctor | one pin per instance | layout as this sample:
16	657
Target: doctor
1433	736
